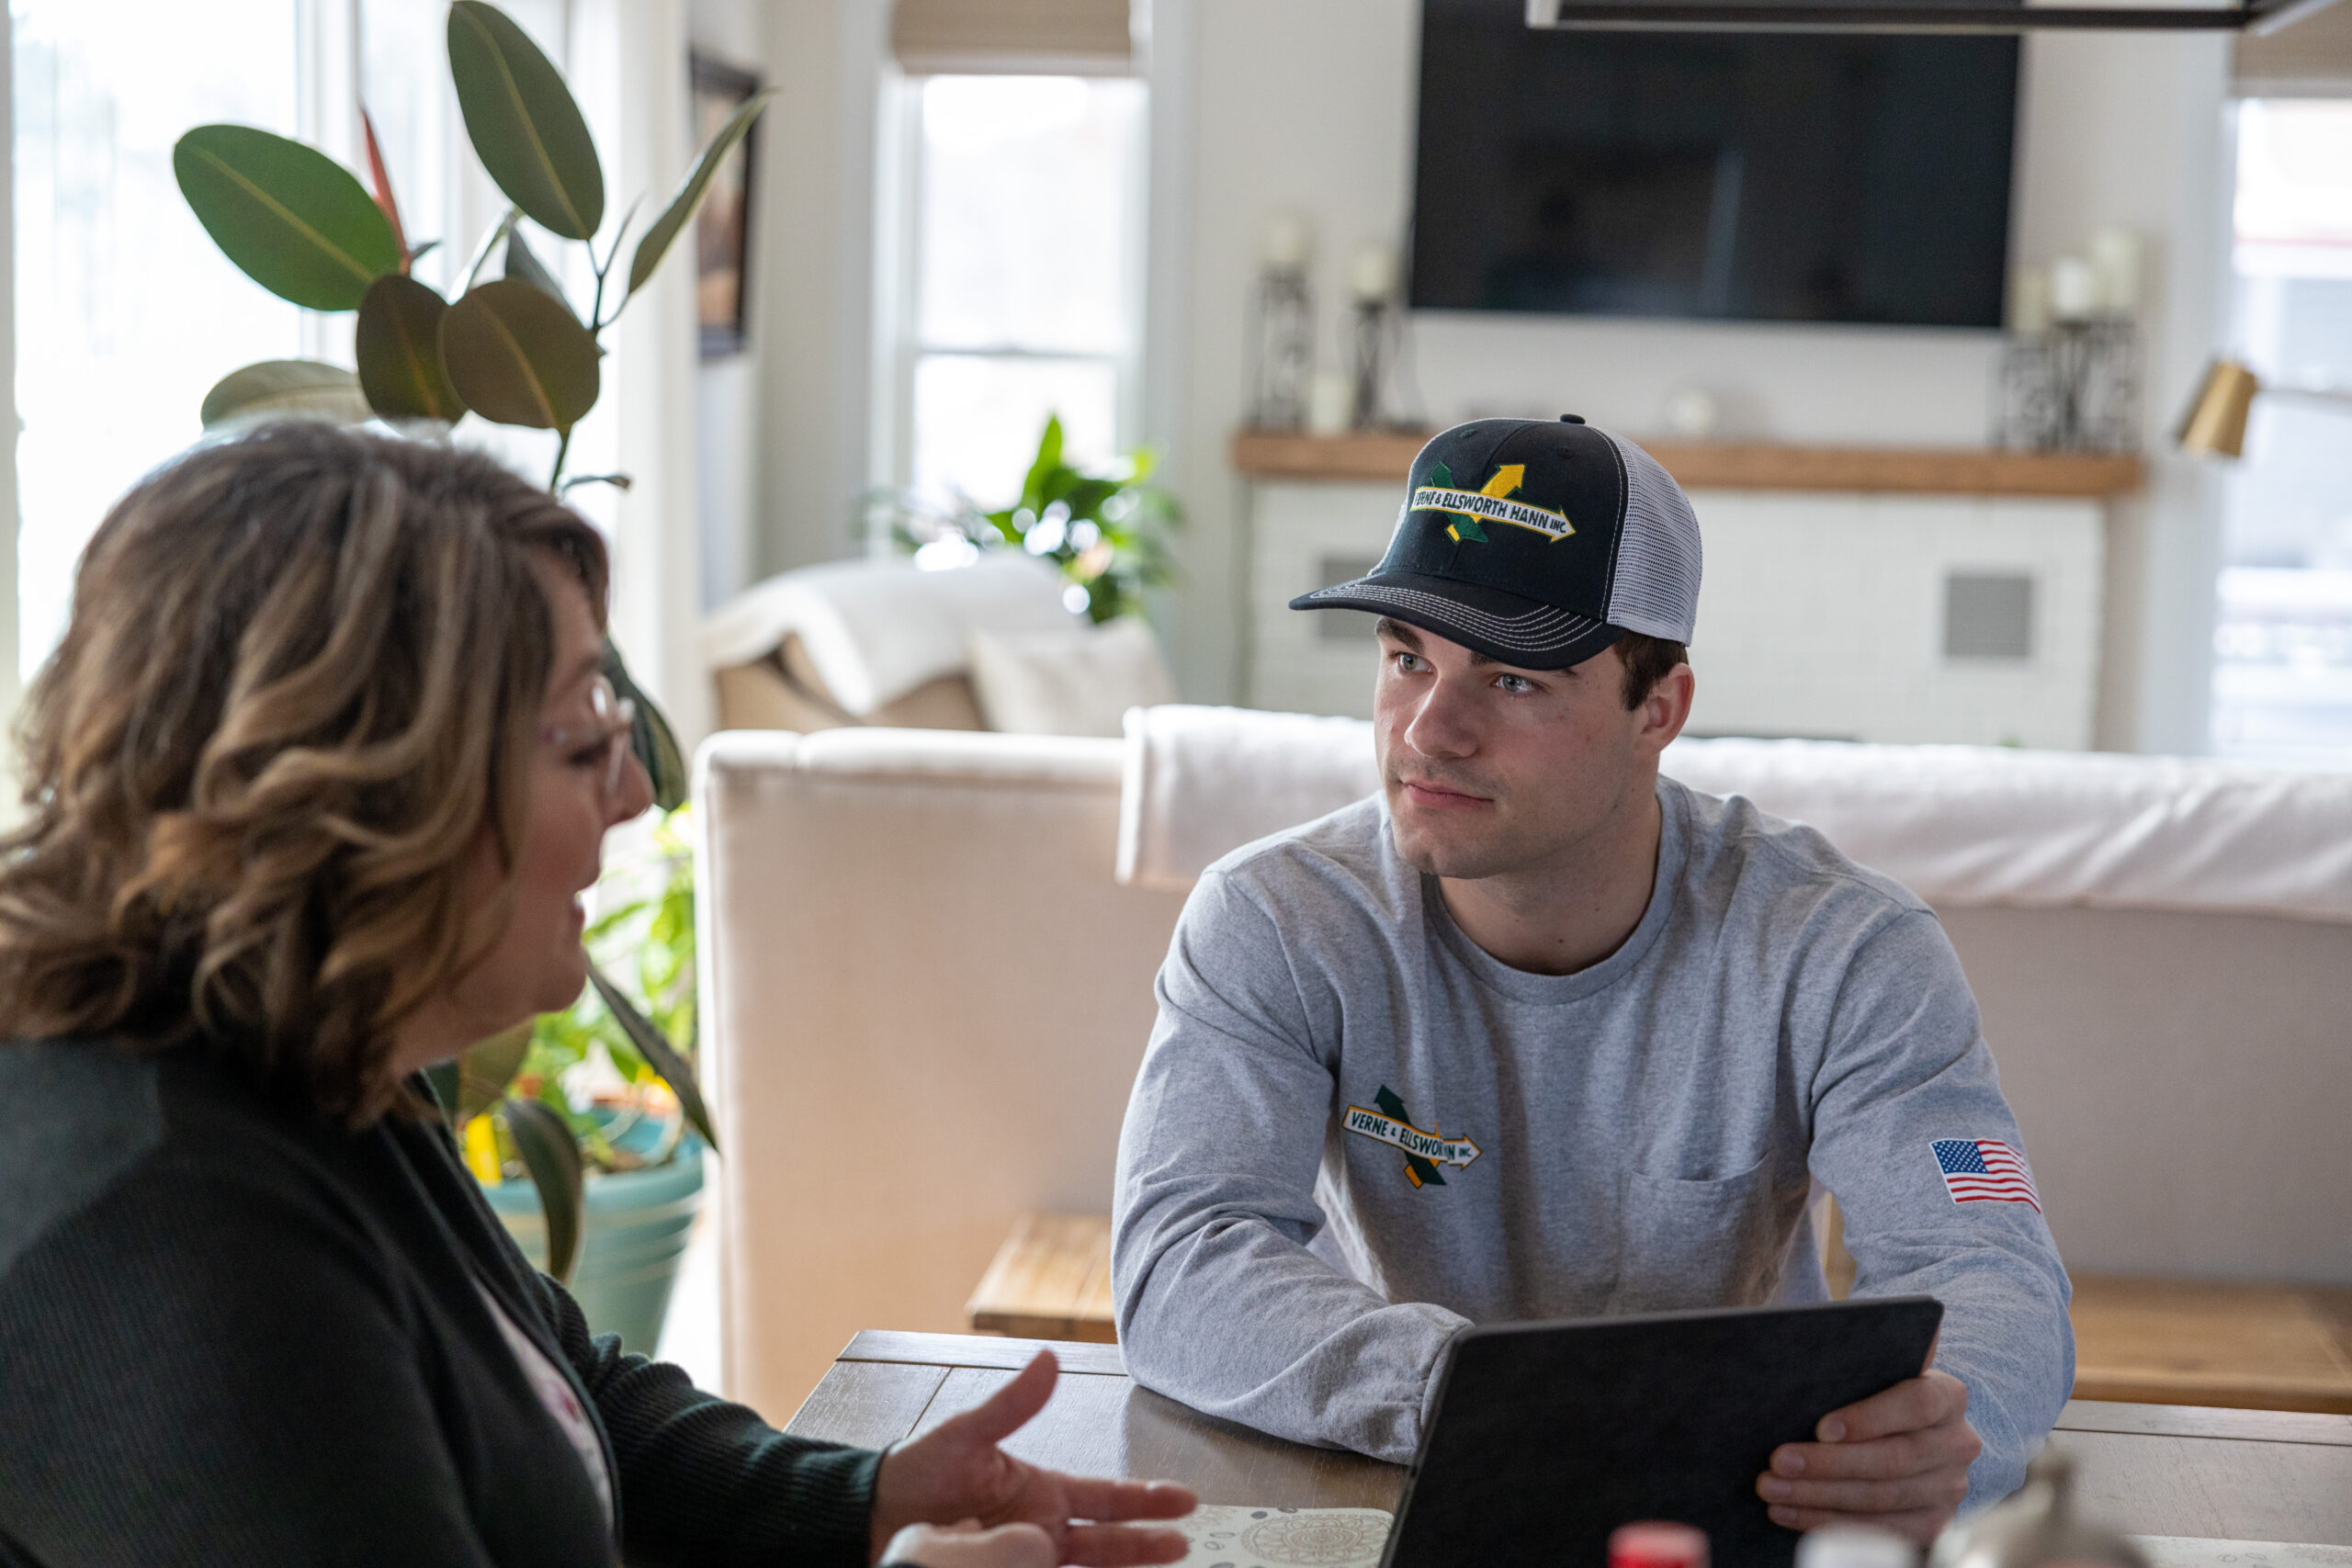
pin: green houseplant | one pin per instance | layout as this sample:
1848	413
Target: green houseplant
513	349
1108	532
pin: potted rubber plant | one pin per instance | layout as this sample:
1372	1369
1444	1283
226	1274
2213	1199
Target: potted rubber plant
512	348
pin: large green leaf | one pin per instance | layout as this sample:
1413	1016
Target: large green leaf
522	262
1049	458
653	741
490	241
487	1066
398	343
675	216
297	222
544	1140
442	1077
518	355
655	1047
286	388
525	128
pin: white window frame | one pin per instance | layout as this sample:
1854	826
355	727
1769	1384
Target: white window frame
897	251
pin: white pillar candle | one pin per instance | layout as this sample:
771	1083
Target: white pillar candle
1691	414
1286	243
2029	301
1331	398
2115	253
1372	271
2075	291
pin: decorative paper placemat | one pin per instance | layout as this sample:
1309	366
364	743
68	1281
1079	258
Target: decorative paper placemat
1284	1537
2194	1551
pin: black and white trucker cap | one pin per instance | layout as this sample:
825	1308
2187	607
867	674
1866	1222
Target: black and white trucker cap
1534	543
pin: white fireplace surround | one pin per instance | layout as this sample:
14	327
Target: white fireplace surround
1879	618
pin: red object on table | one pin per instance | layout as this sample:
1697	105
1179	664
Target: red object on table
1653	1543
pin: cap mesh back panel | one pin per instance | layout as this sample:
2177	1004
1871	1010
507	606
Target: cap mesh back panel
1657	589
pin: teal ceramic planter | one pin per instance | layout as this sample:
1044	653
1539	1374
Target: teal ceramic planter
634	1232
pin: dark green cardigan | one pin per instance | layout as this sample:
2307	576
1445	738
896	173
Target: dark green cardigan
233	1334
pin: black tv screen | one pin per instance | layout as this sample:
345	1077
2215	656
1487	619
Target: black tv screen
1746	176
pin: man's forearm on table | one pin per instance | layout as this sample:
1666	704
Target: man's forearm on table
1236	1319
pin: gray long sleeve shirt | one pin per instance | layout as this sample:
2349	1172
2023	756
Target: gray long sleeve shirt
1355	1131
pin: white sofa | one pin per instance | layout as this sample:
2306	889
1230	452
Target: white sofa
926	995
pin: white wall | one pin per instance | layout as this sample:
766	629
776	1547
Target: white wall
2129	131
1308	104
780	436
813	275
625	63
726	390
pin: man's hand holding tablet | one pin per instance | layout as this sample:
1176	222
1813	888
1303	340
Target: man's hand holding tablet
1898	1459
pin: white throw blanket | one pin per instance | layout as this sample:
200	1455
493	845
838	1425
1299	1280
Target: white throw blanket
875	630
1201	781
1959	824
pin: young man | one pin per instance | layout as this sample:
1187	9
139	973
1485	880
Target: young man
1537	1033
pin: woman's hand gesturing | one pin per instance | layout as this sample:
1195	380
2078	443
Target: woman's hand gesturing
955	1475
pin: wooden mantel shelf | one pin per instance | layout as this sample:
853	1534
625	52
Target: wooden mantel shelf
1383	457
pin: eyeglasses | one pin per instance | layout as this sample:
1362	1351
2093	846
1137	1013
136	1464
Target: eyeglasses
608	729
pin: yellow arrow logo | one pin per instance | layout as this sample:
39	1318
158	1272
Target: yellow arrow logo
1508	477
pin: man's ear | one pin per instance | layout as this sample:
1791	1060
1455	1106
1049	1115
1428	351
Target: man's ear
1668	708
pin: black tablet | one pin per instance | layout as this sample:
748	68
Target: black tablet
1545	1437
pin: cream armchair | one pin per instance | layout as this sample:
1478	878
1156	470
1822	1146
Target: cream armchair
926	996
925	999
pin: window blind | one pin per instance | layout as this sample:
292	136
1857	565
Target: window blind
1061	37
2308	59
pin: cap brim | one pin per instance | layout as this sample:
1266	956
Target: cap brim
1503	626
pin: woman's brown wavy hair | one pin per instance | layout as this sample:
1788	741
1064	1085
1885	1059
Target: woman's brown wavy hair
304	670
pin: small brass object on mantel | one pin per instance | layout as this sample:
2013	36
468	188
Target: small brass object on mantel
2035	1528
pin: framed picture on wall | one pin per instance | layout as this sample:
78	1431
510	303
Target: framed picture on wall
723	227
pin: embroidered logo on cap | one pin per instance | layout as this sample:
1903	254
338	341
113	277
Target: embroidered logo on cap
1489	501
1424	1152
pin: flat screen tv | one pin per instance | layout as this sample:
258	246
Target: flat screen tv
1743	176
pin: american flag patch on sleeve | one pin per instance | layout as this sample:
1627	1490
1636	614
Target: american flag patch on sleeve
1984	1170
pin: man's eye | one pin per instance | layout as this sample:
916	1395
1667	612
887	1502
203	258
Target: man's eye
1514	683
1406	662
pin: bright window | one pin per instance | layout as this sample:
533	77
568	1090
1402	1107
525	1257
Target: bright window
126	311
1021	217
2282	684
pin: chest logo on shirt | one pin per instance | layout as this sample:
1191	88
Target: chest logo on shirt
1391	1123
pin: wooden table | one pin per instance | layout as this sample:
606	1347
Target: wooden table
2148	1468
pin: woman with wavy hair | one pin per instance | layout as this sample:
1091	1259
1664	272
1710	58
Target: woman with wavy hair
315	782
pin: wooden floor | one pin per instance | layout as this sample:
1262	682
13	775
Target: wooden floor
2193	1342
2251	1346
1051	1280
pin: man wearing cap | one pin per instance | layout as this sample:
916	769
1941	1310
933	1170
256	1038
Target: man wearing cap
1536	1032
